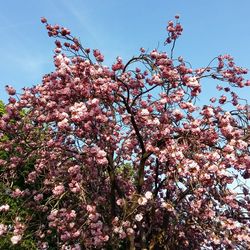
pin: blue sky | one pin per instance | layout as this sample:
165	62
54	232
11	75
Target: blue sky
119	28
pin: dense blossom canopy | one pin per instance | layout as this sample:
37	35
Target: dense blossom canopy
125	157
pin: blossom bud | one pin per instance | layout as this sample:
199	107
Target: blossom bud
43	20
10	90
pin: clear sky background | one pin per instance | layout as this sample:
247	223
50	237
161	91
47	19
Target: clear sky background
116	27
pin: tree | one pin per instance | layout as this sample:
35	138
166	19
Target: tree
125	157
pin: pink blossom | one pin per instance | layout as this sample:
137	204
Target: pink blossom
130	231
43	20
142	201
192	82
148	195
138	217
74	170
15	239
74	187
178	114
10	90
90	208
3	229
228	148
106	238
102	161
101	154
4	208
212	168
17	193
208	111
38	197
58	190
63	124
144	112
120	202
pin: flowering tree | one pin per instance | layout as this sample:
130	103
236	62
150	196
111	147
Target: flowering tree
125	157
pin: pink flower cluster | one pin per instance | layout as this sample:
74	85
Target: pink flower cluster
174	31
126	156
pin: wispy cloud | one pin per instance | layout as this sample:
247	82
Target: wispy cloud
33	65
8	27
82	19
23	71
18	54
92	28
